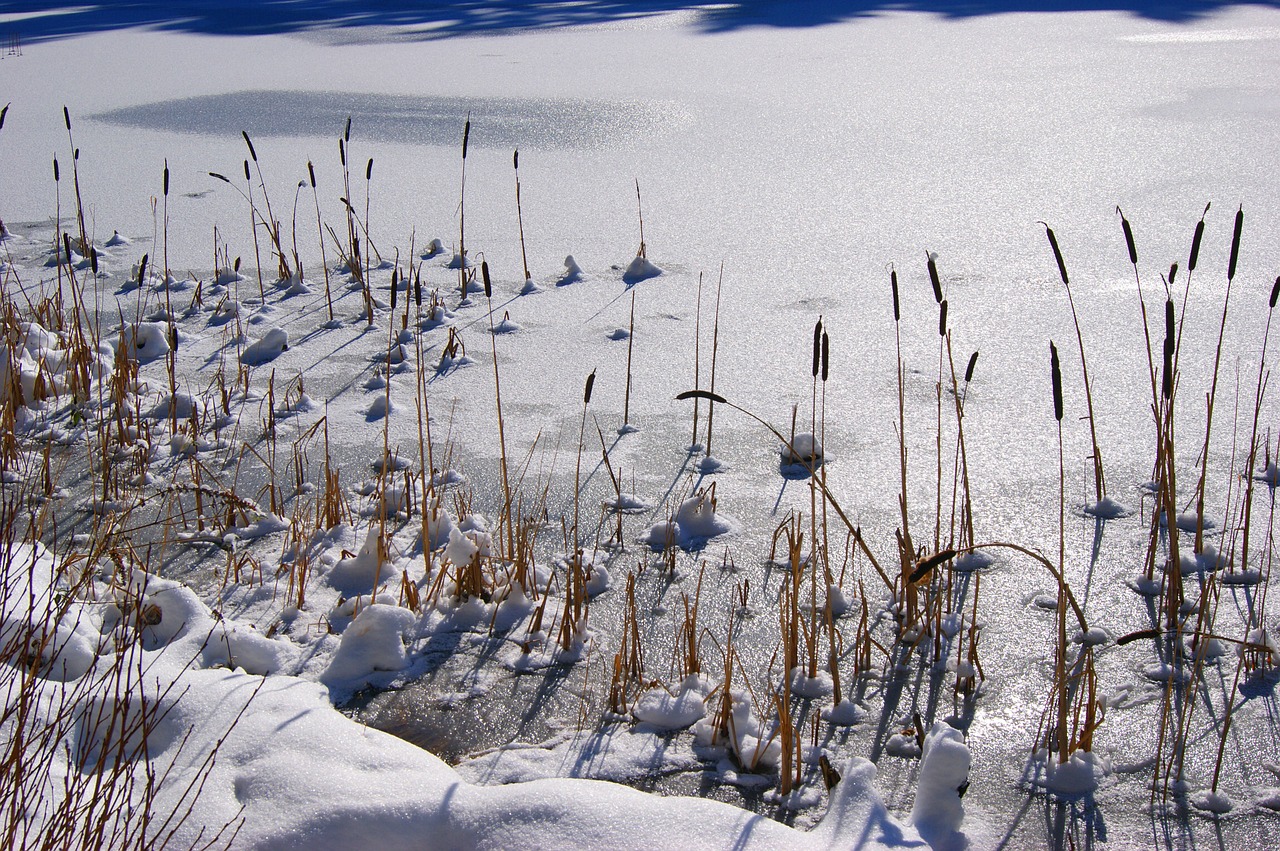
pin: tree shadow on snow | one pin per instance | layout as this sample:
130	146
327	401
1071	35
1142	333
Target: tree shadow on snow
376	20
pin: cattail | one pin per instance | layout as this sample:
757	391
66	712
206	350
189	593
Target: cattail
1055	374
1275	291
246	170
484	273
1173	273
586	393
515	159
311	170
893	285
942	319
368	171
142	269
217	176
166	178
56	176
342	152
933	278
3	113
417	287
1166	385
1128	238
1168	319
968	372
66	117
1057	254
395	280
825	357
1195	241
93	264
252	152
466	136
817	345
1235	244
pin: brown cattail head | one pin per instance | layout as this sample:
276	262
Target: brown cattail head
417	287
968	372
893	285
515	160
346	134
1166	384
246	170
1173	273
166	178
311	171
942	319
368	170
817	345
1195	241
1057	254
93	261
933	277
826	356
466	135
484	273
1275	291
247	141
1235	244
217	176
3	113
142	269
66	117
56	176
586	391
1128	238
342	153
1055	375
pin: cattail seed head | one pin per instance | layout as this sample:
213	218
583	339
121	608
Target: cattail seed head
166	178
1168	319
933	276
346	134
311	171
1173	273
968	372
515	159
93	261
826	356
1195	244
248	142
246	170
484	274
1128	238
342	153
817	345
368	170
66	117
1057	254
142	268
893	285
586	392
3	113
942	319
1055	376
1275	292
1235	244
56	176
466	136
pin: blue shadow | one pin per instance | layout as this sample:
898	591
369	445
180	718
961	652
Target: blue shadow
435	20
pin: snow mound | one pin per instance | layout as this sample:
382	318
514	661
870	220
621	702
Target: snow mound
668	711
145	341
374	641
640	269
944	774
1107	509
266	349
572	272
1079	775
695	522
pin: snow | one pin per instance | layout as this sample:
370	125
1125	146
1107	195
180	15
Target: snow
938	812
806	206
